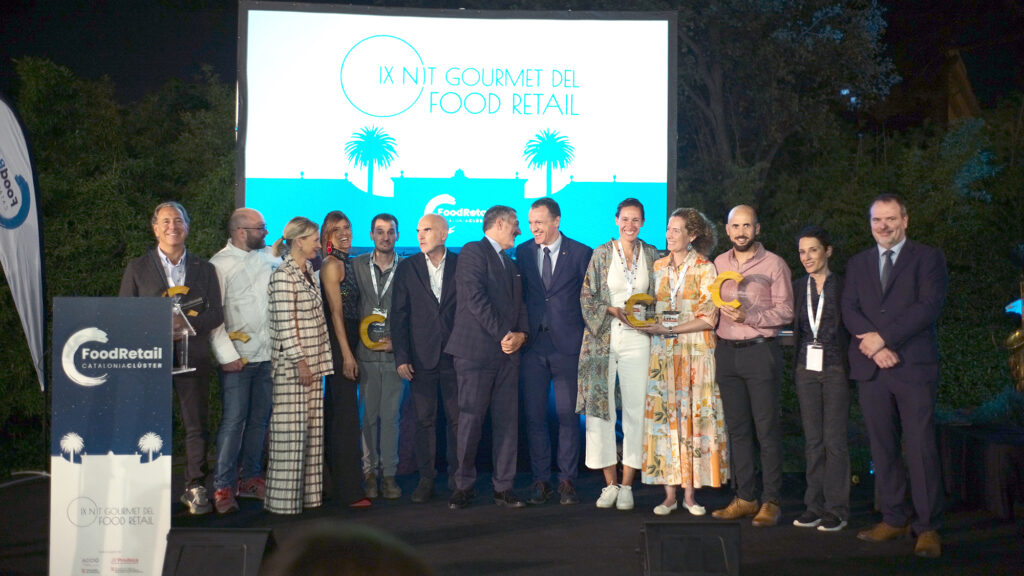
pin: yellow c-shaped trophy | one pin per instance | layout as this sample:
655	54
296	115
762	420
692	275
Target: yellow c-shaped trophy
716	288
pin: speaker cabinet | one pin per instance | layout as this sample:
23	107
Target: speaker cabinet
224	552
676	548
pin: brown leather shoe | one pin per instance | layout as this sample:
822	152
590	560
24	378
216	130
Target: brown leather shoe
767	516
881	532
738	508
928	545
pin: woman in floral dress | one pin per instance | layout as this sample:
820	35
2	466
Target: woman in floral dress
684	426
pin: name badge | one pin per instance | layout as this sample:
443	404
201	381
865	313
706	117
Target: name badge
815	357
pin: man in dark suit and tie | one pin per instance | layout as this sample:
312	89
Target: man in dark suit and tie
422	315
152	274
490	328
553	267
892	299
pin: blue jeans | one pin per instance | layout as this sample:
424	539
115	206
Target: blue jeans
246	401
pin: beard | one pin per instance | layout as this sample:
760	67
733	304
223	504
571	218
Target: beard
746	248
257	243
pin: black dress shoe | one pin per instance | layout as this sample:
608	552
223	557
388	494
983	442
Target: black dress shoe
460	499
508	499
540	493
568	493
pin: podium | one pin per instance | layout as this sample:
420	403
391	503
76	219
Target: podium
110	445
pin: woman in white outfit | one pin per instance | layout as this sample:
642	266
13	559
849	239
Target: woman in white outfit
615	351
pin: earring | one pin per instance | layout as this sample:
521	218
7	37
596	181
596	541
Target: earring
689	246
330	248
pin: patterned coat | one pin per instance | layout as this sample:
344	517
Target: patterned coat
592	398
298	331
297	326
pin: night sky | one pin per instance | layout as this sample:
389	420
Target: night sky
141	44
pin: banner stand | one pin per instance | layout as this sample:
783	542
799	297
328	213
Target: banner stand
110	448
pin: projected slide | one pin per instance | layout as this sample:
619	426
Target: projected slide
369	113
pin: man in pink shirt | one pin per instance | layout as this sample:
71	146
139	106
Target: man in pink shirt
749	365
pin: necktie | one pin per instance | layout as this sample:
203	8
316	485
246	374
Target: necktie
886	269
545	268
507	263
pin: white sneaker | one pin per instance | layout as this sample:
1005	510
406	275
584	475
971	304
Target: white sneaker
609	496
625	499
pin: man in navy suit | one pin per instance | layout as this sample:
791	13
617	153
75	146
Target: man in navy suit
892	299
422	315
490	328
152	274
553	267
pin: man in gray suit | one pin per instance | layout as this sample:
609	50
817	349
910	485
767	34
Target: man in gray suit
380	387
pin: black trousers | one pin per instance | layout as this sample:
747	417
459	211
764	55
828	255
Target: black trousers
825	412
424	388
193	390
750	380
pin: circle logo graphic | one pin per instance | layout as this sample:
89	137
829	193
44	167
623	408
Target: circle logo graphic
13	203
383	76
67	357
82	511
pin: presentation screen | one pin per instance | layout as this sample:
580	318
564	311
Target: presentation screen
451	112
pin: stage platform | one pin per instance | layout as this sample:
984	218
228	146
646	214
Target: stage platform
552	539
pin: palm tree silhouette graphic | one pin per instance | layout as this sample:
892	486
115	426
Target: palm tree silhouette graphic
370	148
71	444
150	442
547	149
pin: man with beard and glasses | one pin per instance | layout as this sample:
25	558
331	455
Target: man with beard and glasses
242	348
749	365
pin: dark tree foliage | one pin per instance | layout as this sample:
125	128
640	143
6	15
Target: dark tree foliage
754	72
101	169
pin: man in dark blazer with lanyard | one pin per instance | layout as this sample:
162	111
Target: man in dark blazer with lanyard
553	267
892	299
422	315
152	274
490	328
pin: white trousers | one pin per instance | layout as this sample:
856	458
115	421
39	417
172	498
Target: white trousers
629	360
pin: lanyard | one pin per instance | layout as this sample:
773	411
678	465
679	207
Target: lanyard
815	319
628	273
387	284
675	283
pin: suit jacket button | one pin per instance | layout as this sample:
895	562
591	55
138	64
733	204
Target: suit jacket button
547	299
883	310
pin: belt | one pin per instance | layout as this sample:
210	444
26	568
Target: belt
745	343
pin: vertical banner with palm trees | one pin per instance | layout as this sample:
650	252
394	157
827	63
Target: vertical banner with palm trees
110	449
450	113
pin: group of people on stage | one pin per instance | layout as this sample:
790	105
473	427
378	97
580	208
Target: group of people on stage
697	385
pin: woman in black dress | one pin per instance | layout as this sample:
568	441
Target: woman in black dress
341	411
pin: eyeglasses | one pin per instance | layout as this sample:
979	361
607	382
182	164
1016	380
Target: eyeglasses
260	229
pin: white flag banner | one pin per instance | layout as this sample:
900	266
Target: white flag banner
20	249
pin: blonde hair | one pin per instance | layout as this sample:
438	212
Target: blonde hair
298	227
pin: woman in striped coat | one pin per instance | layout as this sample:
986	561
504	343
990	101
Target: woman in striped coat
301	357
